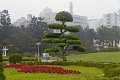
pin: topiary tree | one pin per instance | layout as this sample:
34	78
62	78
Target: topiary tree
15	58
62	40
2	76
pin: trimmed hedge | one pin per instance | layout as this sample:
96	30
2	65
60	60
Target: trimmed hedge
24	59
112	49
80	63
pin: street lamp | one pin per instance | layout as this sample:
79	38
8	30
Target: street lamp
38	49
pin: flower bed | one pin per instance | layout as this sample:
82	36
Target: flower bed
41	69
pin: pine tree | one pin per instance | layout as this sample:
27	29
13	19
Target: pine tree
63	39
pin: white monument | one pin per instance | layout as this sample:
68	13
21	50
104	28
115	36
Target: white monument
4	50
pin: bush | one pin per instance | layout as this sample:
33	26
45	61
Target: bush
29	59
79	63
15	58
2	76
111	72
112	49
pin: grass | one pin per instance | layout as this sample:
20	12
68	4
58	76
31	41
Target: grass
12	74
87	72
99	57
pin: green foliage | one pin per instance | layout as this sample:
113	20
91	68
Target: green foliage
109	36
52	35
61	44
29	59
15	58
1	58
68	36
48	50
61	39
58	41
23	59
72	29
79	48
112	49
100	65
47	40
111	72
55	26
73	42
2	76
64	16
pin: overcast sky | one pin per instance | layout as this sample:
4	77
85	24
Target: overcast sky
91	8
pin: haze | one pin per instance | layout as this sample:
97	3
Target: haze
91	8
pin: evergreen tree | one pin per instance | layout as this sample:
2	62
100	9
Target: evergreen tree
63	39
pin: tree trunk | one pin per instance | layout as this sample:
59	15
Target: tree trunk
63	55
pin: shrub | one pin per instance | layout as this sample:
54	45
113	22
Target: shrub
112	49
15	58
2	76
111	72
80	63
29	59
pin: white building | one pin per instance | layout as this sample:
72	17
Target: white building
111	19
94	23
48	15
23	21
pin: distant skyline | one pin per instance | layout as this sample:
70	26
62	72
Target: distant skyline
93	9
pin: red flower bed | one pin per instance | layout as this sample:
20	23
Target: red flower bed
47	69
42	69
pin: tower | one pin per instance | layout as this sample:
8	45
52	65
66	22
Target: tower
71	8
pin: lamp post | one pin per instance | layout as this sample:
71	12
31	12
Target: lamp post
38	50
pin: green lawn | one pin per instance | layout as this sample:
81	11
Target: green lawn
99	57
12	74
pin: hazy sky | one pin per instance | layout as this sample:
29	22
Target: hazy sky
91	8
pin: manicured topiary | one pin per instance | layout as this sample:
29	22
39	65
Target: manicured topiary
62	39
64	16
15	58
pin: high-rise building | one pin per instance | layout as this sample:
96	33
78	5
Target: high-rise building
111	19
71	8
108	20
